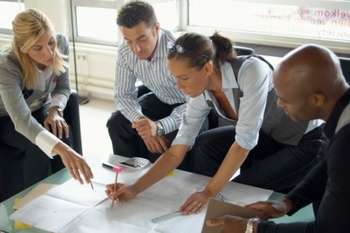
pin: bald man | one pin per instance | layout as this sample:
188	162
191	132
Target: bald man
310	85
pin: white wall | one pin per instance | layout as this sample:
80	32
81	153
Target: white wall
96	70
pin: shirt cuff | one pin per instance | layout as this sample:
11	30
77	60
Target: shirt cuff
46	141
169	124
247	144
133	116
58	100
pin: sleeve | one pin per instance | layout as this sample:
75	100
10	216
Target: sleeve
173	121
17	108
196	112
46	141
333	212
125	90
60	94
254	79
310	188
327	182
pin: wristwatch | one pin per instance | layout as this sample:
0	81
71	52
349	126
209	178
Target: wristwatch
160	129
250	225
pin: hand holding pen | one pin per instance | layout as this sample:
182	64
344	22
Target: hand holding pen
119	192
117	170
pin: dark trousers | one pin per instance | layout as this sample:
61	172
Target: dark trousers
270	165
125	139
22	163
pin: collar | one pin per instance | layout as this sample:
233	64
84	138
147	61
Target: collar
228	82
332	122
161	47
227	76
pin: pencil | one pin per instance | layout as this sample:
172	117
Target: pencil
115	187
92	187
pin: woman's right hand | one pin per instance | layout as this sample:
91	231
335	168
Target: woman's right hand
74	162
120	192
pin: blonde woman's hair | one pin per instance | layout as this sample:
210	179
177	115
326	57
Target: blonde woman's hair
28	26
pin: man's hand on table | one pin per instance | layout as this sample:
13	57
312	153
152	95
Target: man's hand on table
271	209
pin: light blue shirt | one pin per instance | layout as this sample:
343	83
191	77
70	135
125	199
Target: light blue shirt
255	81
154	75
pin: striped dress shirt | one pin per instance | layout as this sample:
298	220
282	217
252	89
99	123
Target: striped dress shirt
155	76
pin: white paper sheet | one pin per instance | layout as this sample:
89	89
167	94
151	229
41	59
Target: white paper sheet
73	191
95	221
60	205
48	213
242	194
39	190
186	223
105	176
137	212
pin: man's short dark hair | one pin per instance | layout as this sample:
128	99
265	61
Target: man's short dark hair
133	13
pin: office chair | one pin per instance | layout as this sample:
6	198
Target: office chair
13	163
345	65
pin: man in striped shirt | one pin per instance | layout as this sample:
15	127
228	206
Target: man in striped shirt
144	125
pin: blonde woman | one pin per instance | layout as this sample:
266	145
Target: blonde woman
34	90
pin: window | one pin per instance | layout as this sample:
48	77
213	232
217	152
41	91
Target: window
9	9
166	12
270	22
95	21
318	20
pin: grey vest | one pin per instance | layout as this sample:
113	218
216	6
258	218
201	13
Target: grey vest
276	122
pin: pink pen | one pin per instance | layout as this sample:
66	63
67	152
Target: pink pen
117	169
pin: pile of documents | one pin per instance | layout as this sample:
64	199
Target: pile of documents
71	207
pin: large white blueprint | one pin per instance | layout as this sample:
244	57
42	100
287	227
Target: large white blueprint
71	207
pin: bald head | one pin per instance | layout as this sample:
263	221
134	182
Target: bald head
310	77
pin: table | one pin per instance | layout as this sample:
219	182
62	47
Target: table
6	207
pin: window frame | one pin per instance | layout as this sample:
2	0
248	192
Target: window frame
236	35
275	40
114	4
5	30
108	4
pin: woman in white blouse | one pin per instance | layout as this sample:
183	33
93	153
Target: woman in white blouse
34	90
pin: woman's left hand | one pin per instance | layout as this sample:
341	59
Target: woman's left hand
196	202
56	124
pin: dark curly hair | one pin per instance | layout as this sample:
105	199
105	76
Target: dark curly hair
199	49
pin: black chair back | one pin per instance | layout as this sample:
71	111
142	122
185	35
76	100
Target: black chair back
345	66
241	51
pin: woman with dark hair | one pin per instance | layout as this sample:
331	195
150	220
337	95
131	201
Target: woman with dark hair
240	89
